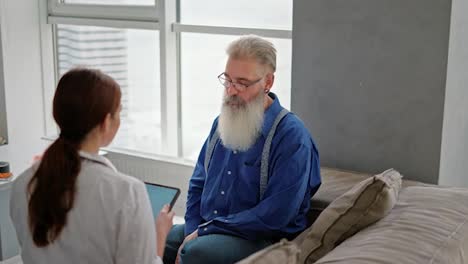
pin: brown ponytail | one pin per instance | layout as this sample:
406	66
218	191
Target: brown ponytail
82	100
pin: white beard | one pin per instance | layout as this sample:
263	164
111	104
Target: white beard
239	127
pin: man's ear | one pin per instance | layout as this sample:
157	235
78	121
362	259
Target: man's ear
269	80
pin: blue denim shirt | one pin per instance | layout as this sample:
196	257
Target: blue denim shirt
226	199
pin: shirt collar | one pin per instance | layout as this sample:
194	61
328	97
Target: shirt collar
270	114
97	158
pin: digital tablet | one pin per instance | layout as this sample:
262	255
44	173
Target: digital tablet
159	195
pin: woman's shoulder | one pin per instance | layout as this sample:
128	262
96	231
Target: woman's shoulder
108	179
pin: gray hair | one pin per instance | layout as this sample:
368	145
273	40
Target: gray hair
253	47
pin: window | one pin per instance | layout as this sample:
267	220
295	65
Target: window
264	14
131	57
166	67
201	91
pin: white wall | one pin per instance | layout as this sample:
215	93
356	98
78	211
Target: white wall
3	122
454	156
19	22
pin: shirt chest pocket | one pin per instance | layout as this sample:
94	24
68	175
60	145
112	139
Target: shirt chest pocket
249	179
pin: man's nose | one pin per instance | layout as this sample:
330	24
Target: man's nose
230	90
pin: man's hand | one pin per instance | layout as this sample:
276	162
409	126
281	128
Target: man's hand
187	239
163	227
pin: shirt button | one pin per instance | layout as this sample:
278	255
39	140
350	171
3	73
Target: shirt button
235	151
206	228
215	212
222	192
229	172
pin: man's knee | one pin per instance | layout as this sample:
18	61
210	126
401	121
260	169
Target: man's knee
214	249
176	235
192	250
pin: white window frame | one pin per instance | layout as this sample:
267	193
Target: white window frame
222	30
162	17
57	8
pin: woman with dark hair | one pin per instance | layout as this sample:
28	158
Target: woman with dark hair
73	206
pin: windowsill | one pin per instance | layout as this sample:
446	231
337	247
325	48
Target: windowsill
139	154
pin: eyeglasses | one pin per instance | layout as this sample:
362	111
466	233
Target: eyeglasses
227	82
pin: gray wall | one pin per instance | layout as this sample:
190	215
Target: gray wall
368	79
454	160
3	121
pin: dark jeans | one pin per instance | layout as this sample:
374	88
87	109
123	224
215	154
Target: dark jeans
208	249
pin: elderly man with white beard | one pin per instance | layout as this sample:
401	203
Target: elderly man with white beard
256	172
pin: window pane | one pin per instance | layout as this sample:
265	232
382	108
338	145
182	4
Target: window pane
241	13
203	58
131	57
112	2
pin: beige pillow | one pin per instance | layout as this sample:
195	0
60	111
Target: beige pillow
366	203
280	253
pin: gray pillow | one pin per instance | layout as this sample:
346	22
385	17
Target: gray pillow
366	203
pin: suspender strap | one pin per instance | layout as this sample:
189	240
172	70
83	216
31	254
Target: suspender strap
266	153
210	149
